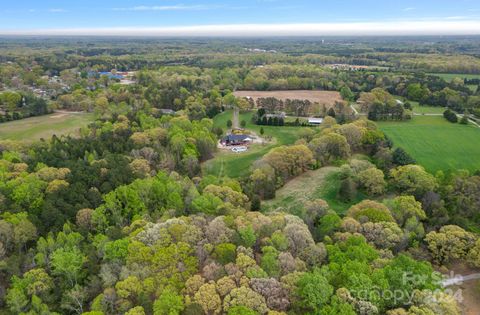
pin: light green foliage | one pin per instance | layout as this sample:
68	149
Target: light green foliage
413	179
116	250
450	242
369	210
407	275
35	283
208	298
245	296
159	193
247	234
225	253
68	263
168	303
269	261
167	264
241	310
314	290
207	203
373	181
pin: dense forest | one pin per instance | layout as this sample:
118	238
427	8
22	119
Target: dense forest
122	219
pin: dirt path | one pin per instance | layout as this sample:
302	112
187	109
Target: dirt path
469	290
235	121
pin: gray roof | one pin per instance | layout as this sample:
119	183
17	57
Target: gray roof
235	138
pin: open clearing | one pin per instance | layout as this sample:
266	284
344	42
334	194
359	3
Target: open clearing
227	163
323	183
451	76
436	143
327	98
35	128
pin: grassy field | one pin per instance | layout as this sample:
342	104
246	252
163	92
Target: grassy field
421	109
437	144
323	183
35	128
227	163
451	76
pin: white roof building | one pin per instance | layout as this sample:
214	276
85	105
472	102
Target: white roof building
315	121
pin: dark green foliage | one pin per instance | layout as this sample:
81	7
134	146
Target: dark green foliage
450	116
348	190
401	157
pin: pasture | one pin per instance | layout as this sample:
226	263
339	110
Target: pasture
436	143
234	165
36	128
323	183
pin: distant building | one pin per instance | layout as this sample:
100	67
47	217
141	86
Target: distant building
315	121
111	75
167	111
277	115
236	139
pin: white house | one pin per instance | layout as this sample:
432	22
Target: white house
315	121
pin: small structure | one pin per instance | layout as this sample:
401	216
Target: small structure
315	121
167	111
399	102
280	115
232	139
239	149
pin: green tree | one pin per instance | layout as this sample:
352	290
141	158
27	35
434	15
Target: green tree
241	310
68	263
401	157
413	179
314	290
168	303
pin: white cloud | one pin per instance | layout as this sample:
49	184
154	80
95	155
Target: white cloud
56	10
431	27
178	7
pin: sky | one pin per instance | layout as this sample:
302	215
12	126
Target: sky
240	18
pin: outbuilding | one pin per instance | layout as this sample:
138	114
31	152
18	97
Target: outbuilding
315	121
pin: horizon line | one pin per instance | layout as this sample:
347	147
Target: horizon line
390	28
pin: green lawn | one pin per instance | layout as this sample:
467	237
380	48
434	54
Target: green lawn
421	109
437	144
35	128
451	76
226	163
323	183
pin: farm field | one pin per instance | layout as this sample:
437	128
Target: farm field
451	76
227	163
35	128
322	97
323	183
437	144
